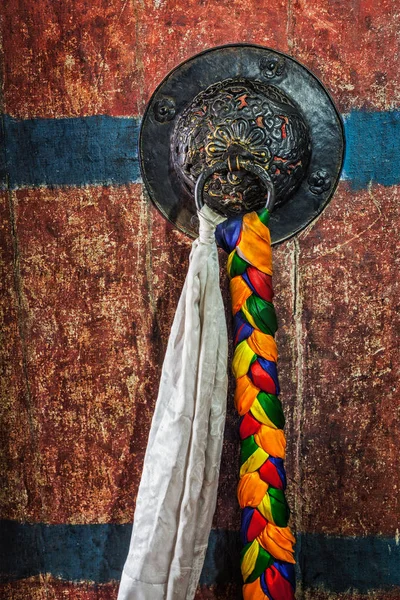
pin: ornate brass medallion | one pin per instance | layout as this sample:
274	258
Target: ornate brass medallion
242	102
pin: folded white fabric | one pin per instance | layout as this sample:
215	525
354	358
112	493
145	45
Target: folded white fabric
178	489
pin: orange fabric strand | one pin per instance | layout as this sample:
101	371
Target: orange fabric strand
251	490
240	291
245	394
253	591
278	541
255	243
273	441
263	345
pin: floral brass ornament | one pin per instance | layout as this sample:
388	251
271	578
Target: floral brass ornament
248	119
239	133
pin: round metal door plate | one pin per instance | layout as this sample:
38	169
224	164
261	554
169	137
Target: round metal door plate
254	63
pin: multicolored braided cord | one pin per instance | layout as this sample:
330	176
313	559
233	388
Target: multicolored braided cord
267	561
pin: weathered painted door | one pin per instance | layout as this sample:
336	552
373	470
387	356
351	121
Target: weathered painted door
92	273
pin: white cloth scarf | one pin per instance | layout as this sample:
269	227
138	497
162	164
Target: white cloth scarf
178	489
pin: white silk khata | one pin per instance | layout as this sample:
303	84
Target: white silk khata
178	489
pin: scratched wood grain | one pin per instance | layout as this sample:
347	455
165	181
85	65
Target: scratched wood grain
46	588
16	417
80	58
91	277
348	397
96	328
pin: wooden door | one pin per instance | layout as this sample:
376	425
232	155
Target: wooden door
92	274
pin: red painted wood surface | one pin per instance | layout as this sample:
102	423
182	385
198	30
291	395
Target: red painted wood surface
347	395
98	285
91	278
47	588
79	58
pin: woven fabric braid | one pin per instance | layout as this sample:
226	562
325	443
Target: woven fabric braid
267	561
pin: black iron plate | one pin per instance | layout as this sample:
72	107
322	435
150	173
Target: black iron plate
182	84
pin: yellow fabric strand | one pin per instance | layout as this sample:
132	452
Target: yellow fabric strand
242	359
229	261
265	508
248	316
249	560
254	462
258	412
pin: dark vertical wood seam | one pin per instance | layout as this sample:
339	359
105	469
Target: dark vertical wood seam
299	407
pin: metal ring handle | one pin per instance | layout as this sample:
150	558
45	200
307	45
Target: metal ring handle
246	165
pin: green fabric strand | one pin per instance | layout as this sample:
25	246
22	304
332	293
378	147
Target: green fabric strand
253	360
263	313
272	407
264	215
238	266
264	560
247	447
279	507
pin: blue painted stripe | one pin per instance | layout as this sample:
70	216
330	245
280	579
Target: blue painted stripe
102	150
95	150
342	563
372	148
97	553
70	552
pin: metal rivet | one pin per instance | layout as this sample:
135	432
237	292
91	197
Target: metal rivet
319	182
272	66
164	109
